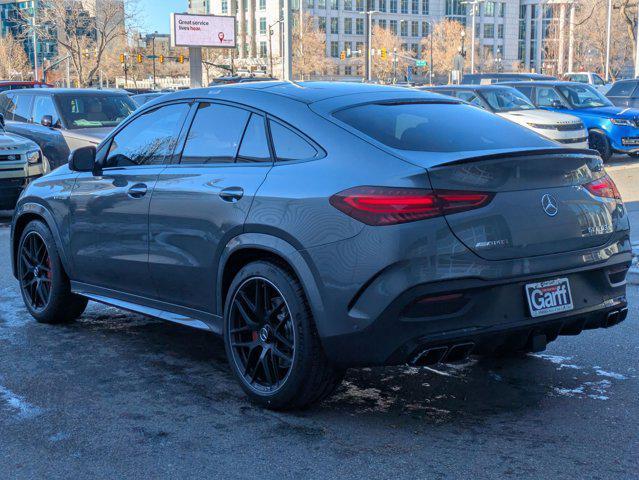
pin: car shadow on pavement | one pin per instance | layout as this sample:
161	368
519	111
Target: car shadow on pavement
152	354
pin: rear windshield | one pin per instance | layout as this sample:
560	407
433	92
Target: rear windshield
90	111
438	127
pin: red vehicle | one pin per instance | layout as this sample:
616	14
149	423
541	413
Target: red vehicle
13	85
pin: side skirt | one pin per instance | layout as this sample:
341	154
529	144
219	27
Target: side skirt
151	308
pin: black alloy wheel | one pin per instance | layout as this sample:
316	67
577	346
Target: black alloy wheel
262	335
44	284
35	271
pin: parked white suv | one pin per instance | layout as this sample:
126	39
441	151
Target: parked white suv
590	78
509	103
21	161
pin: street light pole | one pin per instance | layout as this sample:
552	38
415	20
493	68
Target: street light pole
369	41
430	38
609	27
473	5
270	43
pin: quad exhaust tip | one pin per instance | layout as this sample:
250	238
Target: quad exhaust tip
443	354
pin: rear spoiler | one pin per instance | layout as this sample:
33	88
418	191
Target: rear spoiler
519	153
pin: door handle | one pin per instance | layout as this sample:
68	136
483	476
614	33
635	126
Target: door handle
232	194
137	191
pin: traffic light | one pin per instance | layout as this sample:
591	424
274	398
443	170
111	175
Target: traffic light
384	54
139	58
161	58
122	58
180	59
342	55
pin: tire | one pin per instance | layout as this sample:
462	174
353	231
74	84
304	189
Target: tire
271	340
599	141
44	285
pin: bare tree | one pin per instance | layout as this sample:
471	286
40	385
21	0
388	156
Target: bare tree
628	14
14	63
591	38
386	69
211	57
447	36
309	50
87	31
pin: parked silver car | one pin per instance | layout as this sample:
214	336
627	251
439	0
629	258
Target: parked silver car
21	162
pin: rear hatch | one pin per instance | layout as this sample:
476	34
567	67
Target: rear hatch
541	205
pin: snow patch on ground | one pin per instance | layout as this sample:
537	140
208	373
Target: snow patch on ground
561	362
594	390
604	373
24	410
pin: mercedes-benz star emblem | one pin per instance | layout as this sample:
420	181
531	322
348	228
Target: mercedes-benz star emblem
549	204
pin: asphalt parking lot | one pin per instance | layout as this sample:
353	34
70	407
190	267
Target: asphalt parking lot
117	395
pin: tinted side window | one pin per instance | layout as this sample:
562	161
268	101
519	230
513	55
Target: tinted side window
470	97
43	105
598	80
289	145
215	134
149	139
546	96
526	91
254	146
6	107
22	111
621	89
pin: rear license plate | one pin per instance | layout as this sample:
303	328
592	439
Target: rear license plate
546	298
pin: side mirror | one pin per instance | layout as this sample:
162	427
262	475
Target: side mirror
556	104
47	121
83	159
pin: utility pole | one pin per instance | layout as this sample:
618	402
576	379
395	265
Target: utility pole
637	45
287	53
394	65
473	14
154	69
126	72
35	45
609	27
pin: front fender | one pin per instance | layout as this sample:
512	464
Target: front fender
302	267
31	210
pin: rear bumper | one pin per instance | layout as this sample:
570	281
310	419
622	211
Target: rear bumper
493	316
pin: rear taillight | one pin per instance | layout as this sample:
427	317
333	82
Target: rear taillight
391	205
603	187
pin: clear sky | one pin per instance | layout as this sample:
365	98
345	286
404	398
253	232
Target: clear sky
156	13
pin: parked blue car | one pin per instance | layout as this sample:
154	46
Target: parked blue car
611	129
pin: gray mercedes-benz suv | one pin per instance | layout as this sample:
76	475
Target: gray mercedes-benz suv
323	226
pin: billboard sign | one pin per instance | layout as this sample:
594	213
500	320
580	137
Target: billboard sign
202	31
